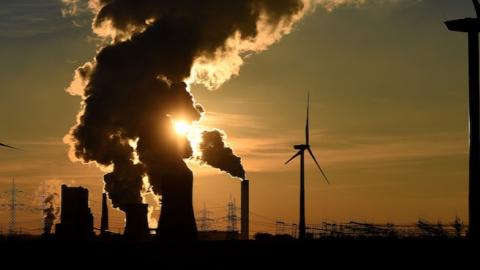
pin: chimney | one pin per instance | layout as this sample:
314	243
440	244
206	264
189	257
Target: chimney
104	221
137	224
245	209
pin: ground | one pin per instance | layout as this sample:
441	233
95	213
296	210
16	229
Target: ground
266	254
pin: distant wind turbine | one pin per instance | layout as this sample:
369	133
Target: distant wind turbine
7	146
301	152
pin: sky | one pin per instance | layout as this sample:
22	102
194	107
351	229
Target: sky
389	111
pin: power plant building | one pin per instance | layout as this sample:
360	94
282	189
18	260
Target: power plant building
76	219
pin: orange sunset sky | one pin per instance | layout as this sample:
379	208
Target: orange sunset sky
388	86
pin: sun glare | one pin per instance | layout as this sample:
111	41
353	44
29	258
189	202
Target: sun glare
181	127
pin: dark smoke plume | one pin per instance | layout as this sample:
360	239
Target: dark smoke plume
50	212
136	86
216	154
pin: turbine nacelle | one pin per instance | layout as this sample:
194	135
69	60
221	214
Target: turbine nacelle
301	147
466	25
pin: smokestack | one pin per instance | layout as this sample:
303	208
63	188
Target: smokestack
137	223
245	209
104	221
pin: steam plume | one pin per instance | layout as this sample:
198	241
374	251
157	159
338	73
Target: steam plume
69	7
50	212
136	86
216	154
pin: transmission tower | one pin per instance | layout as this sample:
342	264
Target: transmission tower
294	231
279	227
205	220
13	207
232	216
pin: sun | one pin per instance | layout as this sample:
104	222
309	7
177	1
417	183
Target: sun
181	127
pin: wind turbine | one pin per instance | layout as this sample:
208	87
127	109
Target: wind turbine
7	146
472	27
301	152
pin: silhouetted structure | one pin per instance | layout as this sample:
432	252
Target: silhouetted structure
433	230
137	223
232	216
218	235
472	27
301	152
245	209
458	226
7	146
104	220
177	219
13	207
76	219
204	221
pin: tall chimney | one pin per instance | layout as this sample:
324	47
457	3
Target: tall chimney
245	209
104	221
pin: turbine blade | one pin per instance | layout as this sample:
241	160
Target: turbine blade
477	7
318	165
307	127
294	156
7	146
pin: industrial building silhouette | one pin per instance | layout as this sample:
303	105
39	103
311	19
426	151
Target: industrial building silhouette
136	221
76	219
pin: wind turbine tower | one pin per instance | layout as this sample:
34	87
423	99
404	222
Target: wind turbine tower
472	27
301	152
